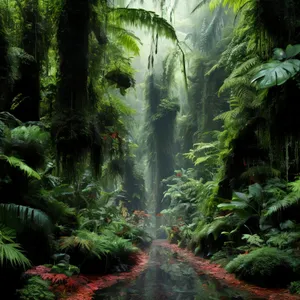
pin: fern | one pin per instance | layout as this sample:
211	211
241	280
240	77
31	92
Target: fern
125	38
144	19
284	239
19	164
253	239
288	201
215	228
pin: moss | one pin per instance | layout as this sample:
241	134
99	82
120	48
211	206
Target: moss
264	267
221	258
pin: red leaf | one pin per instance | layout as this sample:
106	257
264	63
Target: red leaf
38	270
55	278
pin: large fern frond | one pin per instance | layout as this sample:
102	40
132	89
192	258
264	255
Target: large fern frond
144	19
125	38
19	164
288	201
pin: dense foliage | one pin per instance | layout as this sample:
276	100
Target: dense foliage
209	159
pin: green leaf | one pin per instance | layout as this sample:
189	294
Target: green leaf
242	196
276	73
292	51
201	160
255	190
233	205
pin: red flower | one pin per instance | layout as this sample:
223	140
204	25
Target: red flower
178	174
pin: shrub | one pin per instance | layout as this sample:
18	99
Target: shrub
295	287
221	258
95	253
36	289
264	267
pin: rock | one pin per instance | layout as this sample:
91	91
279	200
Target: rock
61	258
9	120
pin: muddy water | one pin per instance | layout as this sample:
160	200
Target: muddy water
169	278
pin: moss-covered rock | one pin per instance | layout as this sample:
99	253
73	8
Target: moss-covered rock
265	267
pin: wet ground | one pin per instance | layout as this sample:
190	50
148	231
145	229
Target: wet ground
169	277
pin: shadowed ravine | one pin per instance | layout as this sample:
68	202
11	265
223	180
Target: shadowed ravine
170	277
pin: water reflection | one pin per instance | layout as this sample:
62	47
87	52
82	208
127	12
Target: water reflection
168	277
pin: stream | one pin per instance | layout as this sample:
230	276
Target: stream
170	277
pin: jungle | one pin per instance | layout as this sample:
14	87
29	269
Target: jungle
149	149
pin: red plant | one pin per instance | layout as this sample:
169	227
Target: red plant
38	270
114	135
54	277
179	174
83	287
72	284
141	214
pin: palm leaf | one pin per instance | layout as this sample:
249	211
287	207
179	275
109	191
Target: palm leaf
14	215
10	251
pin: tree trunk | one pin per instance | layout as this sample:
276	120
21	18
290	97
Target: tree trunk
27	87
73	34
